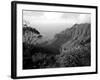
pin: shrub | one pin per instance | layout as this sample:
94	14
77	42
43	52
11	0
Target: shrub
74	58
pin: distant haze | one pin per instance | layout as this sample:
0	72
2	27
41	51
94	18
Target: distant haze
51	23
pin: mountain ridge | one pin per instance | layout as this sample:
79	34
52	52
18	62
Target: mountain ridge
76	33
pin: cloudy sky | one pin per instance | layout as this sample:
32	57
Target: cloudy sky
51	23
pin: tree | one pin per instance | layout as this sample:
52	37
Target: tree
30	35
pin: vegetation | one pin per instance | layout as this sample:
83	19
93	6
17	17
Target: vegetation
71	48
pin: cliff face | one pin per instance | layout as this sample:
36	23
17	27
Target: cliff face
76	51
74	36
80	36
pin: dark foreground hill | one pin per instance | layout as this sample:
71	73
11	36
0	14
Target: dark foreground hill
70	48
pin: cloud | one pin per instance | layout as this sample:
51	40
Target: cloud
35	17
77	18
33	13
84	18
70	15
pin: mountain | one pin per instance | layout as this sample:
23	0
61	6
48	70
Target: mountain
76	50
78	33
72	46
69	48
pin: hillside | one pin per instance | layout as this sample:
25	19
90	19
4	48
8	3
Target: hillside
78	33
76	51
69	48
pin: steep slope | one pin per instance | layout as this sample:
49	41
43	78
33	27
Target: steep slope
77	50
81	35
78	33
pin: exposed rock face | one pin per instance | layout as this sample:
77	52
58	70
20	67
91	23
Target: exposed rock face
77	50
71	37
80	36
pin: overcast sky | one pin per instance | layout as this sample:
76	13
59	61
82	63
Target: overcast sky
51	23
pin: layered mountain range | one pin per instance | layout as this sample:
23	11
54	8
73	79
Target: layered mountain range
69	48
74	36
